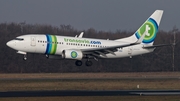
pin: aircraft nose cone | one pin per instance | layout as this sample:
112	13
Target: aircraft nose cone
9	44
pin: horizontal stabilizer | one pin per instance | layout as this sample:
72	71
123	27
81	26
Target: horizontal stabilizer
160	45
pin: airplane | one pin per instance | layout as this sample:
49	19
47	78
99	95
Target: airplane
78	48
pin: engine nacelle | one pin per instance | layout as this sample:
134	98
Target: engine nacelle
72	54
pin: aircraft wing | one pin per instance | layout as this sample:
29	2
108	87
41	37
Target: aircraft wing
111	49
104	50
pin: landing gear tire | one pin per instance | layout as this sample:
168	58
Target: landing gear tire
78	63
89	63
25	58
47	56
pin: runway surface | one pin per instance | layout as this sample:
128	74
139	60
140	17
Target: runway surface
50	93
89	93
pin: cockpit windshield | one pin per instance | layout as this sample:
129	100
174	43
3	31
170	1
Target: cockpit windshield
20	39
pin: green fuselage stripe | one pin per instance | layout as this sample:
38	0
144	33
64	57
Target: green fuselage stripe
54	44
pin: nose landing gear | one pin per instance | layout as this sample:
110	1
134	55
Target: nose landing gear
25	57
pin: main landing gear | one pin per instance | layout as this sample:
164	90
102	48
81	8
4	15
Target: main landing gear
79	63
89	63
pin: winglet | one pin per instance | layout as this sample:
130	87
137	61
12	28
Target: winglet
81	35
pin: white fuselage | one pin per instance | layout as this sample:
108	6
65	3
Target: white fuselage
54	45
77	48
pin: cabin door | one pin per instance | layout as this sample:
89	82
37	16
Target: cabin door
33	41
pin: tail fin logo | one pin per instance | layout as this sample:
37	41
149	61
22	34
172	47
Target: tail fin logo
151	27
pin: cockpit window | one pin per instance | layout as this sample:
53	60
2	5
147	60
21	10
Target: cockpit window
20	39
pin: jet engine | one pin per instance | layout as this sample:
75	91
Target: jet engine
72	54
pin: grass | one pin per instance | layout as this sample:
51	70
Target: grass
90	85
91	75
90	81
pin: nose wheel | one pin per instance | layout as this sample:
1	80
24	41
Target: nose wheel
25	57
